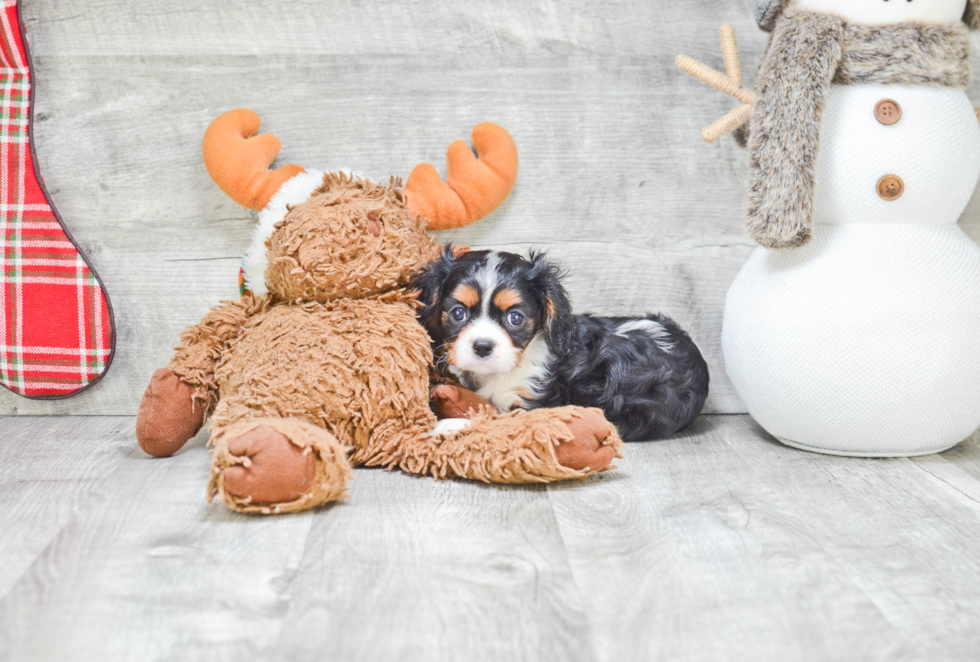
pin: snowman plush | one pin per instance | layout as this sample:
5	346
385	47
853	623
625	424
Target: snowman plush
854	328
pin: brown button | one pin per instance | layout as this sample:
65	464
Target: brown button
890	187
888	112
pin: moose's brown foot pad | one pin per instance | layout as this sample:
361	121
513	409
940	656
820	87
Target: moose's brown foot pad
276	470
450	401
587	449
169	414
276	465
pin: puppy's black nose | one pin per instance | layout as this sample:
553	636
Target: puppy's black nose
483	348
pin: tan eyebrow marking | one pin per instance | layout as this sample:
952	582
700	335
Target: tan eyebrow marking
507	298
467	295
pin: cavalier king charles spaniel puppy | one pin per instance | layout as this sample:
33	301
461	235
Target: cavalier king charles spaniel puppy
503	325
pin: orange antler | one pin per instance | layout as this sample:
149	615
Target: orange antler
238	160
475	185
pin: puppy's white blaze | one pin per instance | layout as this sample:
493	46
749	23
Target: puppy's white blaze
503	358
503	388
488	279
654	329
448	427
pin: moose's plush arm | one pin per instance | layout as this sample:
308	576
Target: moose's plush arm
536	446
181	396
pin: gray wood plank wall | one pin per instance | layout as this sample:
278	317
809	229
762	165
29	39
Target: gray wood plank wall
614	180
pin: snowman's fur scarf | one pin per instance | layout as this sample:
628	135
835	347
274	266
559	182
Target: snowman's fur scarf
784	129
807	52
767	11
972	15
931	54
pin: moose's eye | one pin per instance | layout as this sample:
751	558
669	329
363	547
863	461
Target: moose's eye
515	318
458	313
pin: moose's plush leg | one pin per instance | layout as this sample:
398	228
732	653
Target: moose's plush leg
180	397
537	446
277	465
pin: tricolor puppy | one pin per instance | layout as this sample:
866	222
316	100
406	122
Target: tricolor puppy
503	325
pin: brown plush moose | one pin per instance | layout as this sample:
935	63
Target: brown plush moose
323	364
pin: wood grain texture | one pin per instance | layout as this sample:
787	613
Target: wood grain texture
435	571
718	544
615	182
145	569
418	569
732	546
305	27
48	468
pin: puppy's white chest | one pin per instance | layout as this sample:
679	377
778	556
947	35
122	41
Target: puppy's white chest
503	397
509	390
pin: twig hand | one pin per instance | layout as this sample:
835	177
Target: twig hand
730	84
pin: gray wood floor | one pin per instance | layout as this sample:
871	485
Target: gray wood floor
718	545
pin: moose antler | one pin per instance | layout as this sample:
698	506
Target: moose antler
730	84
474	186
238	160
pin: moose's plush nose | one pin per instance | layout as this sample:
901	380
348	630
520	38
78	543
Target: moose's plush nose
483	348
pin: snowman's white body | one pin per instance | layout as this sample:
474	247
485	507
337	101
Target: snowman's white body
866	341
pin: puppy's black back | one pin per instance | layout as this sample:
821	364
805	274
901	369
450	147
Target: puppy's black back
649	379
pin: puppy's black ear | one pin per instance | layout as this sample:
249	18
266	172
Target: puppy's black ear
431	282
559	325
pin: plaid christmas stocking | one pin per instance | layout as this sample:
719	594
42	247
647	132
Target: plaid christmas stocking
56	325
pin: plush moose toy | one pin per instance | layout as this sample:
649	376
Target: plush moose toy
323	364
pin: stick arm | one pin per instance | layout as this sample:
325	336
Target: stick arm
729	82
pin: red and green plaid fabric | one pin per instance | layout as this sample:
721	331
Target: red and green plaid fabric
55	324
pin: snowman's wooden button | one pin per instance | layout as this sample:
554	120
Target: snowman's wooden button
890	187
888	112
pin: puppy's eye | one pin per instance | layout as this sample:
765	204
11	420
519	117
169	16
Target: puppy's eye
458	313
515	318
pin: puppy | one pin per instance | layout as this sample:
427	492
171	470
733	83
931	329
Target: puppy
503	325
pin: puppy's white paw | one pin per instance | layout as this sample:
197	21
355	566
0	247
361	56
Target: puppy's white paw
448	427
